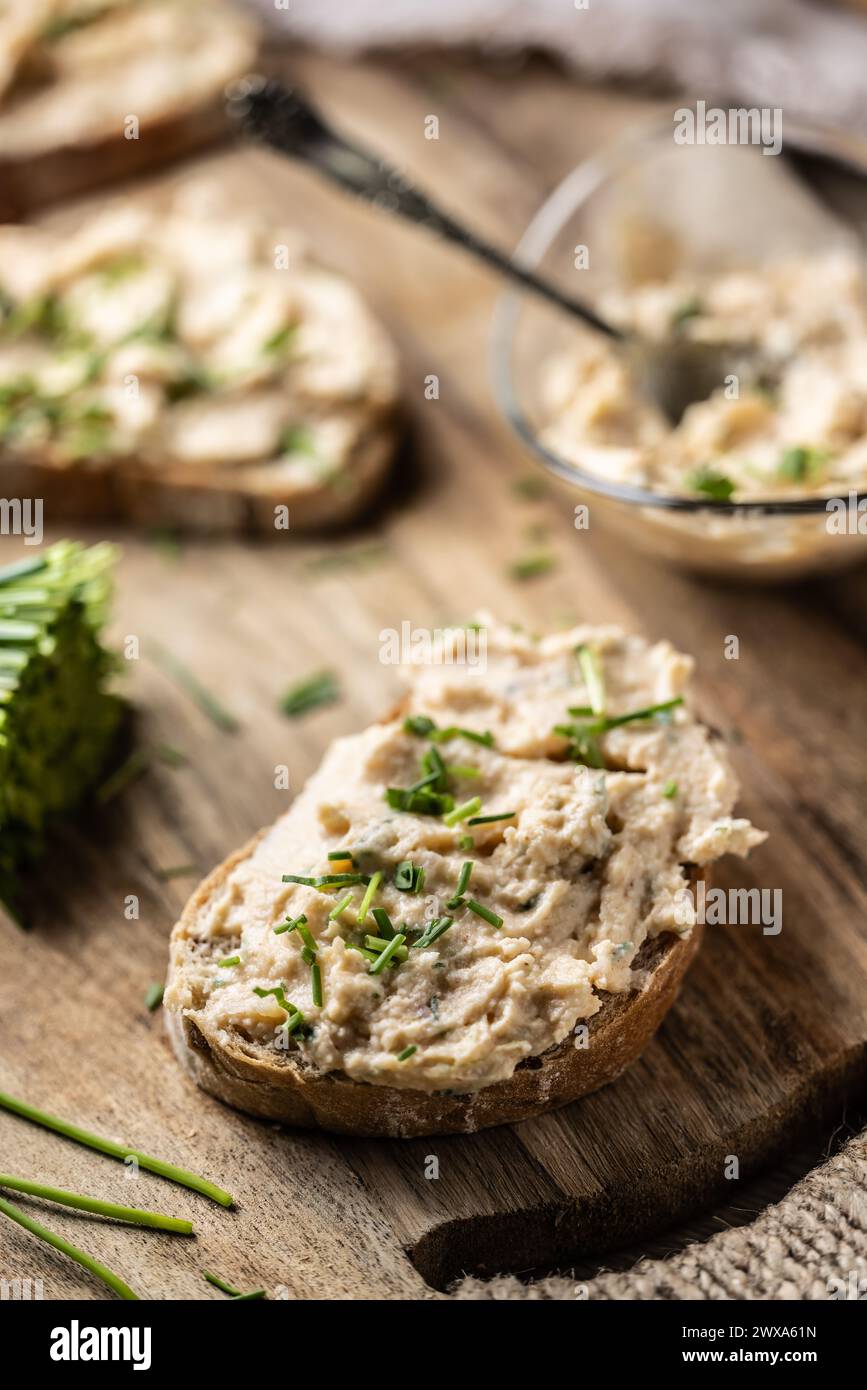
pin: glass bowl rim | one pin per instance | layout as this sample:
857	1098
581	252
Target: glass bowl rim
567	197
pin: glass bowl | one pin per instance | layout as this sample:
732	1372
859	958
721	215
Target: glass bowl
708	208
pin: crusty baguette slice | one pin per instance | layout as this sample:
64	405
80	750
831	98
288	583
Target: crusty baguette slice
281	1087
44	158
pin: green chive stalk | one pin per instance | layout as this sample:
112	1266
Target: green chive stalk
122	1151
116	1284
135	1215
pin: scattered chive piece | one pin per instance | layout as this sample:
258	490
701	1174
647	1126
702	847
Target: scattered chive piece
462	770
689	309
711	483
466	842
176	871
184	678
154	996
670	789
385	956
174	757
432	931
130	769
488	820
135	1215
463	812
227	1288
379	943
331	880
362	950
798	464
299	878
370	890
591	670
108	1146
341	854
339	907
531	487
86	1261
484	912
531	566
311	693
316	984
407	1053
230	960
383	921
463	880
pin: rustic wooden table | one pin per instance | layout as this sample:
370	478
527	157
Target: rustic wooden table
769	1035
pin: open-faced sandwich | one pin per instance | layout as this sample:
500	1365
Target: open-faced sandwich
476	910
93	90
188	366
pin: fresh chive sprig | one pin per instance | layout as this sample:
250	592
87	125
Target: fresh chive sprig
114	1150
135	1215
114	1282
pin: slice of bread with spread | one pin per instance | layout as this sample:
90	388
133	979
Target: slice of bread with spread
192	367
475	911
97	90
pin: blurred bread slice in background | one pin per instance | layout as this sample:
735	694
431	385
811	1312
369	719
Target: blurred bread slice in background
96	90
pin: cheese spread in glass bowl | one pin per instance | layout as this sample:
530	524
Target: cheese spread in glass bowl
716	244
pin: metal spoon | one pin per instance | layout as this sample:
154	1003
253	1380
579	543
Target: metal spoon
674	372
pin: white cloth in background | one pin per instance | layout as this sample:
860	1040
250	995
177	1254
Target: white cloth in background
807	58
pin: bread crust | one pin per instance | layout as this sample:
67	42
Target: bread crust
219	501
33	180
283	1088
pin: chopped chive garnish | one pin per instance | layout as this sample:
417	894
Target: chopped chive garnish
116	1285
230	960
601	726
184	678
154	996
295	1017
307	936
341	854
484	912
115	1150
466	842
291	924
463	812
388	952
463	880
420	800
423	727
489	820
670	789
309	694
299	878
339	907
383	921
379	943
409	877
711	484
591	670
432	931
362	950
407	1053
462	770
332	880
370	890
316	984
435	768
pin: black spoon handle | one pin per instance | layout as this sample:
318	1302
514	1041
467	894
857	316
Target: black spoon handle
281	117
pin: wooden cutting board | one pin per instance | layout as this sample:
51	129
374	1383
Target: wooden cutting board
768	1038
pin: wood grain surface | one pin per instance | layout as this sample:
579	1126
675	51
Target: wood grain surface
768	1038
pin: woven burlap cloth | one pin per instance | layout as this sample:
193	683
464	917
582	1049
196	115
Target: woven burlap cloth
811	1245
